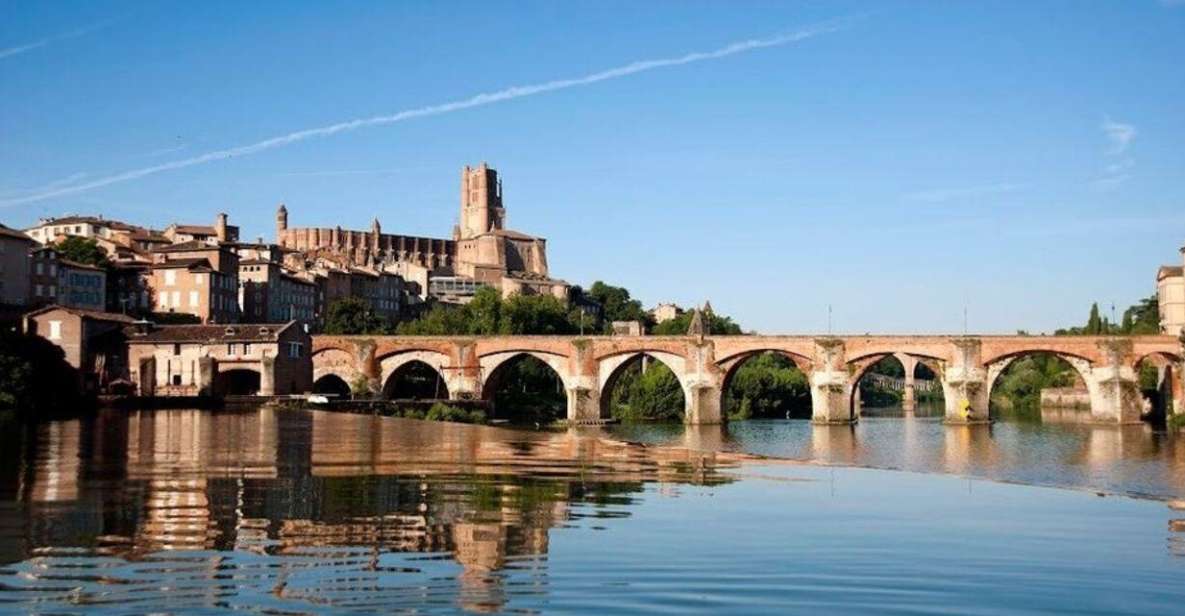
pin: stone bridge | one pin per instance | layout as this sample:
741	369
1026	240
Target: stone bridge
967	366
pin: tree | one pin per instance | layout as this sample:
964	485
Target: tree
1094	324
617	305
717	325
353	316
488	314
651	395
35	377
82	250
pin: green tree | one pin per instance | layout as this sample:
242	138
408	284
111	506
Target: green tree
617	305
82	250
1094	325
35	377
653	394
354	316
717	325
487	314
536	314
768	385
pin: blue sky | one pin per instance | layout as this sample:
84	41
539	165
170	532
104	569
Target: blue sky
903	162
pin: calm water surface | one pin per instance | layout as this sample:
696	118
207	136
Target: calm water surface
313	512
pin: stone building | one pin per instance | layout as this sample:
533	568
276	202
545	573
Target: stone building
93	342
14	267
1170	294
270	294
482	249
665	312
236	359
220	233
196	278
55	280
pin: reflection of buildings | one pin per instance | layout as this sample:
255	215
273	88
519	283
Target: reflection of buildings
298	489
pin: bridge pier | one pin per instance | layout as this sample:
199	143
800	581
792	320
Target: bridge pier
909	397
703	405
584	404
831	385
965	386
1114	388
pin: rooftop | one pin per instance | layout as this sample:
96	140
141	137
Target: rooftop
14	234
210	334
97	315
190	246
190	264
1169	271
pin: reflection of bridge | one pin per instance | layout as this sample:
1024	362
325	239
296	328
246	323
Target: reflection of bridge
967	366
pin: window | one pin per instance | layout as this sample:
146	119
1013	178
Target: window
199	279
40	268
230	349
37	290
294	350
170	277
246	348
53	269
53	291
176	299
176	349
193	299
55	330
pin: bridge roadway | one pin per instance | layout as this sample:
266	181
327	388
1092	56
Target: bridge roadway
967	366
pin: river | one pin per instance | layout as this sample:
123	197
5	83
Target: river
316	512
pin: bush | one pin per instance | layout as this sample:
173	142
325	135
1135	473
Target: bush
447	412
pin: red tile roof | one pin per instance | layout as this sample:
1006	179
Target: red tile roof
209	334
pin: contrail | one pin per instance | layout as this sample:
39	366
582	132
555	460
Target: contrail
20	49
478	100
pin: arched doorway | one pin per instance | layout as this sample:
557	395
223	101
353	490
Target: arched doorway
238	382
525	389
332	385
415	380
1039	386
643	388
766	385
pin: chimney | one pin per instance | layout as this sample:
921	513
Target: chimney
220	227
142	327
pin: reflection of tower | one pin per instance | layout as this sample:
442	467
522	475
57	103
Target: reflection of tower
481	201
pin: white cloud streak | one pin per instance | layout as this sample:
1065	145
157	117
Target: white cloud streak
1121	136
478	100
27	47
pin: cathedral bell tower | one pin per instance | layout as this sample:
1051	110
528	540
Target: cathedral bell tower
481	202
281	223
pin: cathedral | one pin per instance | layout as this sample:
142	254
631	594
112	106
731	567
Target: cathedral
482	250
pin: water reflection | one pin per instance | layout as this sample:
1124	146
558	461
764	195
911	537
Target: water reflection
122	491
1068	450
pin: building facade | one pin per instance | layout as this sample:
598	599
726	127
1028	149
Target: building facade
270	294
14	267
59	281
196	278
1170	295
219	360
93	342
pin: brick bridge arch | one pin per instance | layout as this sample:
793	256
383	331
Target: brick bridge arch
966	365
